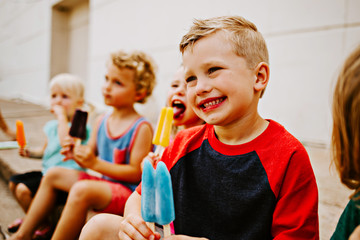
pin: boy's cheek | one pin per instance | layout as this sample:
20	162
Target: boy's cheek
190	98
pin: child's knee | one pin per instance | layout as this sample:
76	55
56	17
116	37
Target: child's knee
79	192
22	191
12	186
99	225
52	174
55	175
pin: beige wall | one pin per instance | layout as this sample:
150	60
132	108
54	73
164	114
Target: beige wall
307	41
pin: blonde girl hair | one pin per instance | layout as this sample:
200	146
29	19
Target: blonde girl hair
345	142
144	67
69	83
247	41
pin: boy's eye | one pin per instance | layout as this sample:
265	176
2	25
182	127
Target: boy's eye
174	85
190	79
65	96
213	69
118	83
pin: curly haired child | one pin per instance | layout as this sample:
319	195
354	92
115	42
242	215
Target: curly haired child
120	140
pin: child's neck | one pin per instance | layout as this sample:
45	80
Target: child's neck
120	120
241	132
124	113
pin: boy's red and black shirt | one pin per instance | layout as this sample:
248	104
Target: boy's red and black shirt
263	189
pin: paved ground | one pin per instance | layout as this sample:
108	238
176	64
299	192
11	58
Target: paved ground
333	195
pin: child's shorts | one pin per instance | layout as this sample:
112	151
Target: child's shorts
119	194
32	181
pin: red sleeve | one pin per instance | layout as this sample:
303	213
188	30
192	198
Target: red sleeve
296	212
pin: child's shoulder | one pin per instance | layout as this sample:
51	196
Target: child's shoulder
50	124
276	129
276	134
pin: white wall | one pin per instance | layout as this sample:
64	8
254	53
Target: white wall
24	49
307	41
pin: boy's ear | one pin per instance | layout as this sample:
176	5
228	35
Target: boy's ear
141	94
80	102
262	72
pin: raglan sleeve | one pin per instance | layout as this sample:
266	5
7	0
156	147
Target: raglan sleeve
296	212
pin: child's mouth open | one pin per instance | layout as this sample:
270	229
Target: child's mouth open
179	109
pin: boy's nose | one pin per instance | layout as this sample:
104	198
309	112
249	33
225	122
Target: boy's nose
203	86
57	100
106	85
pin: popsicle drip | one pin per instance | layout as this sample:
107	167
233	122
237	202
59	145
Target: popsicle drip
20	134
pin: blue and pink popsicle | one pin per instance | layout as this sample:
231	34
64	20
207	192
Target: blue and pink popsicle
157	203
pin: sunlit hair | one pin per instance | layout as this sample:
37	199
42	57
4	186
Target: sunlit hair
70	84
346	122
247	41
144	66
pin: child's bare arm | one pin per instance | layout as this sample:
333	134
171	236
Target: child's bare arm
355	234
33	152
63	124
125	172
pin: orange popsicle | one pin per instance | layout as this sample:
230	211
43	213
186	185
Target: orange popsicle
20	134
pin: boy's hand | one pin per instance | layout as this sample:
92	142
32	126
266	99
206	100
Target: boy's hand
24	152
154	159
85	156
67	148
58	110
134	227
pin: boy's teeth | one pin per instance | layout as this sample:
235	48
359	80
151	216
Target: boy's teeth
208	104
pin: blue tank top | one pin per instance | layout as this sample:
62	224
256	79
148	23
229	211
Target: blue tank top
117	149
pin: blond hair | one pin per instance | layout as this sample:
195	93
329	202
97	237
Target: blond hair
247	41
70	84
345	141
144	67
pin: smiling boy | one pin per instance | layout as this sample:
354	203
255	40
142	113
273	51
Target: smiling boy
239	176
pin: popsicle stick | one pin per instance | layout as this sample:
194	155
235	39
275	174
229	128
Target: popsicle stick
151	225
167	230
159	150
77	141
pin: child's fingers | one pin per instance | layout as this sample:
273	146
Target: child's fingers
153	158
133	227
24	152
68	142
